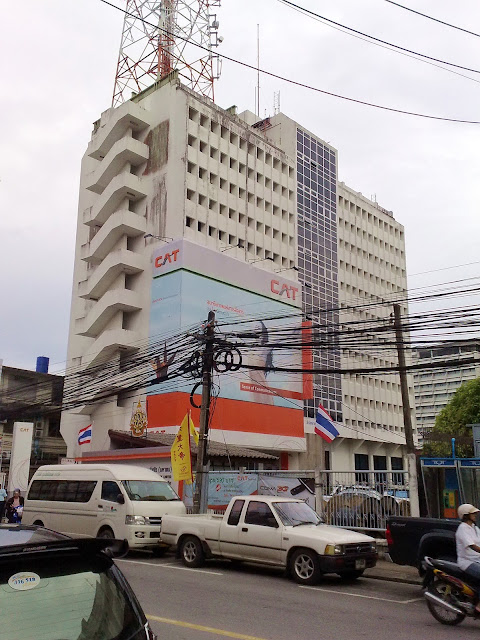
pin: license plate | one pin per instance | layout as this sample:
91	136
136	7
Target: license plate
360	564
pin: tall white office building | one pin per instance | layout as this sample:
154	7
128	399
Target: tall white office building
170	166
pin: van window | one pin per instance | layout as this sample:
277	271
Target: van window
62	490
149	490
110	491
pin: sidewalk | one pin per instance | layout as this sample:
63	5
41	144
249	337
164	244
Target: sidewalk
385	570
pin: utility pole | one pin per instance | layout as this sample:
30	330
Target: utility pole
407	415
201	490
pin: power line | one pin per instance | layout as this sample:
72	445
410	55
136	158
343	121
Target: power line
395	46
301	84
387	48
455	266
424	15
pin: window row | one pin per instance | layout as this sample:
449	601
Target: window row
361	273
209	124
353	248
224	210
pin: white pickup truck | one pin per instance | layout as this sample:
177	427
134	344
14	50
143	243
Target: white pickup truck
269	530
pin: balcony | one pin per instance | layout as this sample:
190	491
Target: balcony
109	343
128	116
117	262
126	185
121	223
125	150
100	315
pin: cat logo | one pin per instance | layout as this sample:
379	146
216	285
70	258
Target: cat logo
285	289
160	261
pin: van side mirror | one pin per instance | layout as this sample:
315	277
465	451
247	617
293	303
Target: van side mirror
120	499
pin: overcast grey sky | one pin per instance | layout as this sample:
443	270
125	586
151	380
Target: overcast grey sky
58	66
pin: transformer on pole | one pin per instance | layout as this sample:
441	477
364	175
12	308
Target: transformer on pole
160	37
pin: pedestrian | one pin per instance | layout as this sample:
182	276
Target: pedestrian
14	507
3	497
467	538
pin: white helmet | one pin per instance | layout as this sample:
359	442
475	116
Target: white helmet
465	509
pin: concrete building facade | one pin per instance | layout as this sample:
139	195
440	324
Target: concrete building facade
36	397
435	387
170	164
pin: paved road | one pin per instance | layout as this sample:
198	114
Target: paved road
258	603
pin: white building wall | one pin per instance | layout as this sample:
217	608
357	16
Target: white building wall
372	268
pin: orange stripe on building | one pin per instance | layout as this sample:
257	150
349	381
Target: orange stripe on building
129	456
168	409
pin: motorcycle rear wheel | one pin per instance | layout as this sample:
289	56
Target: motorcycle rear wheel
444	616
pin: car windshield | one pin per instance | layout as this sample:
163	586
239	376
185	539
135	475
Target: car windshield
66	598
149	490
296	513
15	534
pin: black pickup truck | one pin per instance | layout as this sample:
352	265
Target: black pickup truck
411	539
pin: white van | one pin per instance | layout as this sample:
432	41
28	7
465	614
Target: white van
102	500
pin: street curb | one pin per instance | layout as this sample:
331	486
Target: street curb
394	579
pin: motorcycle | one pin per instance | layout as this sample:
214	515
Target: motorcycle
450	598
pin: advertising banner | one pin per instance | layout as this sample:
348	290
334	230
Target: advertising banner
183	299
20	457
288	487
224	486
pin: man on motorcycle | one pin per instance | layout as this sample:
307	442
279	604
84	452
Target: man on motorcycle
467	538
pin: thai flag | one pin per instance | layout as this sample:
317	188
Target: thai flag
325	427
85	435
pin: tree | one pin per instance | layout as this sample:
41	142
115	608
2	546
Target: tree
463	409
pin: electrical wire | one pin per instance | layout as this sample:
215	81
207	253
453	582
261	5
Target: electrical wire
387	48
301	84
366	35
424	15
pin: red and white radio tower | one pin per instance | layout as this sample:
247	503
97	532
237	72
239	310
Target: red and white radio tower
159	37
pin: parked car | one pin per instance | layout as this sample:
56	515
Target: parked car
270	530
411	539
53	586
363	508
105	500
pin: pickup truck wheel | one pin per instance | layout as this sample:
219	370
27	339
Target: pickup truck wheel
350	575
304	566
191	552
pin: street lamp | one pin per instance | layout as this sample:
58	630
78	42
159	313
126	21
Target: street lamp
164	238
287	269
260	260
239	244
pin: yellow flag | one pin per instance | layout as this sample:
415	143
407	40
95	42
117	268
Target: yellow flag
180	453
193	431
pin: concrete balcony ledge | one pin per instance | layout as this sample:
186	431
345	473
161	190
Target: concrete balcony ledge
125	150
121	223
127	116
110	342
100	315
125	185
117	262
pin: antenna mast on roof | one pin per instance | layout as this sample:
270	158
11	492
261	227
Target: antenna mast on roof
276	102
160	37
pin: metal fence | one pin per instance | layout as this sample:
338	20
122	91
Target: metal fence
362	499
353	499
